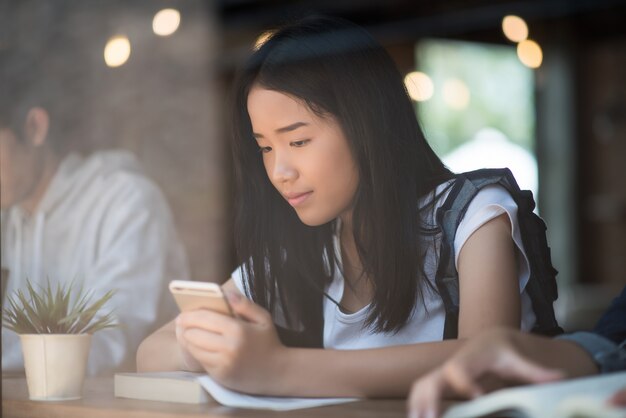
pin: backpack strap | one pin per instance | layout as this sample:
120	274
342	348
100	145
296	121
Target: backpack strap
541	286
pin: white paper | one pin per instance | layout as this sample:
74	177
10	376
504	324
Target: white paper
235	399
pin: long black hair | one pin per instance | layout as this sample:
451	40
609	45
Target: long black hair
336	68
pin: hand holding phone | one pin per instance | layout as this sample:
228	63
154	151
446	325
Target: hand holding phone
190	295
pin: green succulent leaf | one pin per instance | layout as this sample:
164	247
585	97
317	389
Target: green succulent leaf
51	311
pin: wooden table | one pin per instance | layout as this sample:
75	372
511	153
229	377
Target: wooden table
98	402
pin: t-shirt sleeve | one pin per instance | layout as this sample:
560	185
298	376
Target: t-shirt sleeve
237	276
491	202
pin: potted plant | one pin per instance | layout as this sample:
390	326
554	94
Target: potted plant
55	327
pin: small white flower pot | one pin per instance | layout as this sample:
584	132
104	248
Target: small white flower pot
55	365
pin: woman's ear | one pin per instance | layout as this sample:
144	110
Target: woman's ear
36	126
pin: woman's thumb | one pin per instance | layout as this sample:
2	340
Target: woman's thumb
246	309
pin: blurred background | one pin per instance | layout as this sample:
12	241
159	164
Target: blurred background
538	86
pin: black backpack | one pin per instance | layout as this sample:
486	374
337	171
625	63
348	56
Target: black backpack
541	285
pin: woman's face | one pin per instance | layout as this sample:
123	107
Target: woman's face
306	157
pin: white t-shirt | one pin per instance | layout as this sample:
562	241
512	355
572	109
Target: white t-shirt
347	331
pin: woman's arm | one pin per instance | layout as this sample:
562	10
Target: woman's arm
488	279
161	351
273	369
247	355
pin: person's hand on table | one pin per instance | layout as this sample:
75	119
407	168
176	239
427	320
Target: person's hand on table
492	354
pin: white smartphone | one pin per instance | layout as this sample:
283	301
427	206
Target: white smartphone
190	295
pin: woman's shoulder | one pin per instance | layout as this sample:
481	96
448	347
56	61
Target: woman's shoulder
489	197
486	195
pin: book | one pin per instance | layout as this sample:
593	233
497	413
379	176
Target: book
181	387
188	387
576	398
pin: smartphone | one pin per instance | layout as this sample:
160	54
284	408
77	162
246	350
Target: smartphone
190	295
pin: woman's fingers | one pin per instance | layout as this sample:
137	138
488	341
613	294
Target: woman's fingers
208	359
248	310
204	340
206	320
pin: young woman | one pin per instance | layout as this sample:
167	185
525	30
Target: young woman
336	232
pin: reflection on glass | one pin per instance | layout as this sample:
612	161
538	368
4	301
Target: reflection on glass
490	148
456	94
166	22
514	28
492	89
529	53
419	86
5	278
117	51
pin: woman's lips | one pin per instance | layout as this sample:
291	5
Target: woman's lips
297	199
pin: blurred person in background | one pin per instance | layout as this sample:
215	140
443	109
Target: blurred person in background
95	220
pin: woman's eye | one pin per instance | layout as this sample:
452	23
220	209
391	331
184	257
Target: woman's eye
265	150
300	143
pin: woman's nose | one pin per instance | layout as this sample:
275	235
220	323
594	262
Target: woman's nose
283	169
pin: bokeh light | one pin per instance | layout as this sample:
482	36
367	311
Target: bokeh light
166	22
529	53
419	85
117	51
456	94
514	28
